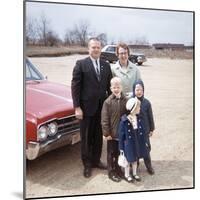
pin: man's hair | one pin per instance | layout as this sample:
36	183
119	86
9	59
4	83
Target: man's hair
124	46
94	39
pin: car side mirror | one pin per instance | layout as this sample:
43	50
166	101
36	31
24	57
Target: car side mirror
46	77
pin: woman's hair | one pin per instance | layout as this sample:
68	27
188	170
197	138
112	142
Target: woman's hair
124	46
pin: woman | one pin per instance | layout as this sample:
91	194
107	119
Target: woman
125	69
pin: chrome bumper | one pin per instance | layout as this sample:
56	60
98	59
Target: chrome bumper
35	149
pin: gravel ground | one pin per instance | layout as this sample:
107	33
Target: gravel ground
169	87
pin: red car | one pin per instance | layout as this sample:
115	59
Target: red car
50	119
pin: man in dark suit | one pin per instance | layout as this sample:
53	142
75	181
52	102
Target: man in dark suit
90	87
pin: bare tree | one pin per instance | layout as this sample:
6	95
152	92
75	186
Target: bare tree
81	32
103	38
32	30
70	37
52	39
44	28
38	31
67	38
78	34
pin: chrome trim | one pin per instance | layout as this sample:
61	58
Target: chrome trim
33	150
68	123
56	137
54	119
36	149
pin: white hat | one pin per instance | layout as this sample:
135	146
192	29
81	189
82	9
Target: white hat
131	104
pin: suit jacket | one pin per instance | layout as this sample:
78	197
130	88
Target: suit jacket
87	90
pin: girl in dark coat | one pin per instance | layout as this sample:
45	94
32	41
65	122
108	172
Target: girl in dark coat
146	116
132	141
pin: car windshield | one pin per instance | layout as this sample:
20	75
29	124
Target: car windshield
32	73
111	49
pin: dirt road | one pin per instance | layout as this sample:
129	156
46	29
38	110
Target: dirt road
169	86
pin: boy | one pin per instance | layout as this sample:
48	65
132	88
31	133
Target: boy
146	116
113	108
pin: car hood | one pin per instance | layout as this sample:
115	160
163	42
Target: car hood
44	98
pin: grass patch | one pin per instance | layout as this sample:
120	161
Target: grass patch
42	51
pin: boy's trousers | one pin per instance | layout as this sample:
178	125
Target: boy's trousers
112	156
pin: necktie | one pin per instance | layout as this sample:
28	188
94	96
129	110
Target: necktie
97	70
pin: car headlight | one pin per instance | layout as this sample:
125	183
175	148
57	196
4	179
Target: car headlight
42	133
53	128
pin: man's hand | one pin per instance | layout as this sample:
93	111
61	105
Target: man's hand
150	133
108	137
78	113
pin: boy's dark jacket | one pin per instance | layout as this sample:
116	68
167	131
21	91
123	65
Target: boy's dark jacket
112	110
145	110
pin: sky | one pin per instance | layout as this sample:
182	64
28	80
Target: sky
120	24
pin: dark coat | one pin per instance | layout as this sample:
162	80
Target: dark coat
145	110
147	115
87	91
134	142
113	109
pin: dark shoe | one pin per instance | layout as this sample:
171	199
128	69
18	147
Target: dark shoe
151	171
137	178
120	174
147	162
100	165
87	172
114	177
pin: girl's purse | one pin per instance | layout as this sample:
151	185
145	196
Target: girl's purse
122	162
